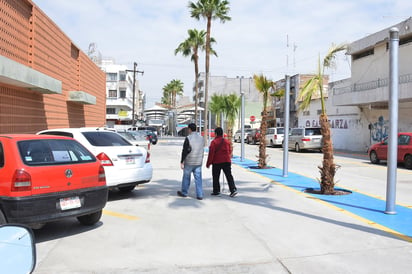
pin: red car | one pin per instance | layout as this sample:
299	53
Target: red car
212	133
48	178
379	151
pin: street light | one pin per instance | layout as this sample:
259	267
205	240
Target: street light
242	120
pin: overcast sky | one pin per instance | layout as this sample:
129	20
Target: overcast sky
264	36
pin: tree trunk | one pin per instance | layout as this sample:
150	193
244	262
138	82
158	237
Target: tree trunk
328	168
262	142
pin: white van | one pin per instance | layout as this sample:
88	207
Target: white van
274	136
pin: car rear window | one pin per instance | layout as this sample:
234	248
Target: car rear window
281	131
105	138
312	131
53	152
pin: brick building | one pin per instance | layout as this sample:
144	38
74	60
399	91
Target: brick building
46	81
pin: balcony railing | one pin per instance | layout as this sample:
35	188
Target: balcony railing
379	83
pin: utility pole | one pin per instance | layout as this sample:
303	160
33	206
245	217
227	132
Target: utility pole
134	88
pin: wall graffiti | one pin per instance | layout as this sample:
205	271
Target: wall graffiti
379	129
334	123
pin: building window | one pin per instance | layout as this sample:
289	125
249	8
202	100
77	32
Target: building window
110	110
123	93
113	93
111	77
306	113
122	76
319	111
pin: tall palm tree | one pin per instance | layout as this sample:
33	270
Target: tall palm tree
190	47
209	10
263	85
217	106
313	87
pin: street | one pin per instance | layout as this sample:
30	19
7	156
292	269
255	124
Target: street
265	229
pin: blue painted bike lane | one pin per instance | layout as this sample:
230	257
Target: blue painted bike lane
367	207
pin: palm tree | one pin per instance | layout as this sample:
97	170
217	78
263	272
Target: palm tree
217	106
209	10
190	47
263	85
170	91
312	87
231	109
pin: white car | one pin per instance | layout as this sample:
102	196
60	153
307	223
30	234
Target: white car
274	136
125	164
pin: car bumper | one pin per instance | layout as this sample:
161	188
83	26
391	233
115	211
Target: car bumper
115	177
47	207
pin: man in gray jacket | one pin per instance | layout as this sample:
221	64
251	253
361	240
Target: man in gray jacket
191	162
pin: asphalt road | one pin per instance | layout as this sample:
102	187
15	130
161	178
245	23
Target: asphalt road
267	228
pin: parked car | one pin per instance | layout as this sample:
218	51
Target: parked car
379	152
49	178
125	164
237	137
151	135
212	133
305	138
274	136
136	138
253	136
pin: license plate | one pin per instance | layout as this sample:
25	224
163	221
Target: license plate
316	140
70	203
130	160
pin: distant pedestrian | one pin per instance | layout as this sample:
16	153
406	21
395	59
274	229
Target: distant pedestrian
191	162
220	157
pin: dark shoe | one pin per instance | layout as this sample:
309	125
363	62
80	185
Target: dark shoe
199	198
233	193
215	193
179	193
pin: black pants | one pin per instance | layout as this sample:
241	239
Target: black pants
227	170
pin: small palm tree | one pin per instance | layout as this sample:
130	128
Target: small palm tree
190	47
170	92
217	106
209	10
314	86
263	85
231	107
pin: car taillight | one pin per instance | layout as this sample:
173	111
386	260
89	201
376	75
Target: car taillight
275	136
104	159
147	157
102	175
305	139
148	146
21	181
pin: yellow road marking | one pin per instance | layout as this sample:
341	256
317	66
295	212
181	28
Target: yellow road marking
119	215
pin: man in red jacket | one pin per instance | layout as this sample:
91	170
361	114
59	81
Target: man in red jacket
220	157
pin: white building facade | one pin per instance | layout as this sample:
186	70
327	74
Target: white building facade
119	95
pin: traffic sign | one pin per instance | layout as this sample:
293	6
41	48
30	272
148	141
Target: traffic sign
252	118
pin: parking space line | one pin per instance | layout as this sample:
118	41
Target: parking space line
120	215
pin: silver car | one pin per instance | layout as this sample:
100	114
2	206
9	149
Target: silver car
274	136
305	138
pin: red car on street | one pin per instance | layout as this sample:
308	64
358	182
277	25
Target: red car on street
379	152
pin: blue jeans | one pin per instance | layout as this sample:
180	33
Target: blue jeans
197	173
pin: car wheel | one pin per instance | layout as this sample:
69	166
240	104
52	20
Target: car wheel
272	144
408	161
297	147
90	219
126	188
373	157
2	218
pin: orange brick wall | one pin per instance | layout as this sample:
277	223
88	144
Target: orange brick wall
29	37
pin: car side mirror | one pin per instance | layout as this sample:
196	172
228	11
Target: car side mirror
17	249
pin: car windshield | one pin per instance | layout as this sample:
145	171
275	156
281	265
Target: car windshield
105	138
53	151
